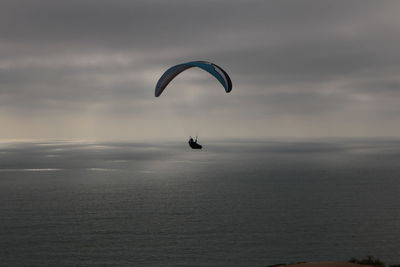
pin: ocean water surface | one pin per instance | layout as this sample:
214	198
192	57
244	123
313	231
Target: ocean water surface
234	203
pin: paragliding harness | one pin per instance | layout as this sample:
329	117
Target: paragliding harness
193	143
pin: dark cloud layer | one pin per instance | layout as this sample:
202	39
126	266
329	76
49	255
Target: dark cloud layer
300	67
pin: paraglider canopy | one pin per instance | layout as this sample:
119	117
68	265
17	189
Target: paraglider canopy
211	68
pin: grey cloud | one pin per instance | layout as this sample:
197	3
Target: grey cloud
291	58
389	87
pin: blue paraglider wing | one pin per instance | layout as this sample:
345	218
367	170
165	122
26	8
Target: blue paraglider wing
211	68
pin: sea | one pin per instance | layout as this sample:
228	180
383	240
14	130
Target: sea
233	203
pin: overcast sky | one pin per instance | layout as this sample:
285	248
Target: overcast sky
86	70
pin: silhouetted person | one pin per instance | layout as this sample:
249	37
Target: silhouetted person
193	143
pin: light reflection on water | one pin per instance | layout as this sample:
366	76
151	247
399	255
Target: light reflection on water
30	170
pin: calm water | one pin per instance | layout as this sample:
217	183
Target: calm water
233	204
